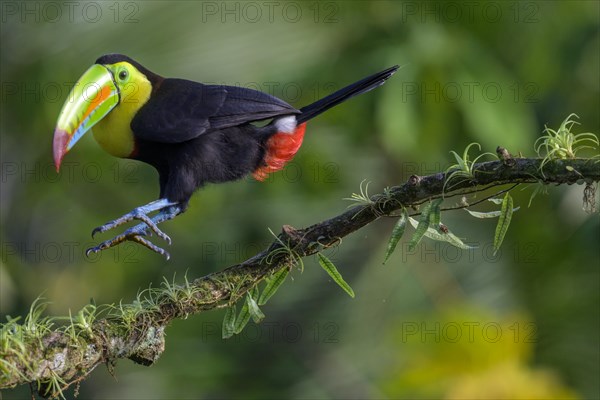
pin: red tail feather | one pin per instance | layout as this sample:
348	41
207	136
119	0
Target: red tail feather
281	148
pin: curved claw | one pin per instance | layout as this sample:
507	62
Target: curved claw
131	236
167	210
142	217
112	224
148	244
96	230
155	228
102	246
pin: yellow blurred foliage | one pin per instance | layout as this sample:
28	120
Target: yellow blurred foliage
462	353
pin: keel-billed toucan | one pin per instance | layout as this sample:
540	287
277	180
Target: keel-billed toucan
192	133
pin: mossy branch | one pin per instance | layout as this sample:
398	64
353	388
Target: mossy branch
55	358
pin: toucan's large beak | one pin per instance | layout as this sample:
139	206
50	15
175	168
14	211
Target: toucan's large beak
92	97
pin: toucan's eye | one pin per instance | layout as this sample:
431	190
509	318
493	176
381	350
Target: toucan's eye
123	74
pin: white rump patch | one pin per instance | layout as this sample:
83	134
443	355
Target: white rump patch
286	124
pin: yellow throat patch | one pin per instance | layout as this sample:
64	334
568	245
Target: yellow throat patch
113	133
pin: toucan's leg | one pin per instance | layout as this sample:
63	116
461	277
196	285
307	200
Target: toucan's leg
137	232
140	213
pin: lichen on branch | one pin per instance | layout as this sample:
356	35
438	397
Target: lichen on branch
53	357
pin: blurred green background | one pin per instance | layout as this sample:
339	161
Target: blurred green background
433	323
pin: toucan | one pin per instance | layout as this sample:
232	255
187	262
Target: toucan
191	133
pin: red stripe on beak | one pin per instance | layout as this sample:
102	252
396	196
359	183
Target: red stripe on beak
59	146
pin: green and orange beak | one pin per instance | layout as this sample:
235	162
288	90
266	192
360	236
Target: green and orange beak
90	100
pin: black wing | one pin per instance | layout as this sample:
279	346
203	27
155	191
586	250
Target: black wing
181	110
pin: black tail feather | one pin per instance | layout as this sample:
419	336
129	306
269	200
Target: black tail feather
360	87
